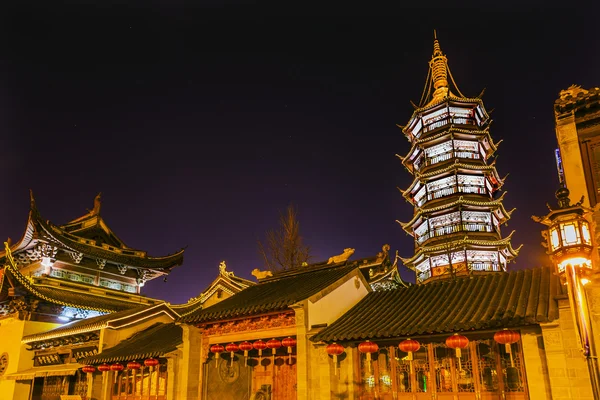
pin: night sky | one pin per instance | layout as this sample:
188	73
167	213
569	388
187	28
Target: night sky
199	124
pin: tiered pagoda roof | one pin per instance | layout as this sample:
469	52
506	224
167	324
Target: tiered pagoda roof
458	213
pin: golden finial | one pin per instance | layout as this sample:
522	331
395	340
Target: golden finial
439	70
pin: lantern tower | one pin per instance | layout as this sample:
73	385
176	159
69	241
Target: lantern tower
455	192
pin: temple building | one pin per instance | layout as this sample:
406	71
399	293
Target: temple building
457	218
60	273
470	328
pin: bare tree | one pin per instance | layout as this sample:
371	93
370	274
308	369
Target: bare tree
283	248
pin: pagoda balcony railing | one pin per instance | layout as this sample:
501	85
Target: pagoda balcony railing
446	120
447	191
465	154
449	229
491	266
484	266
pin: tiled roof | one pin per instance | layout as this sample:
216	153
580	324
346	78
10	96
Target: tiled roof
155	341
273	294
113	320
502	299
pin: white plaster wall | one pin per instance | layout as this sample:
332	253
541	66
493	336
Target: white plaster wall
334	304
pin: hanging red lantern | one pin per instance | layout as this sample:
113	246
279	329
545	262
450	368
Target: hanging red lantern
507	337
274	344
232	348
150	362
289	342
117	367
103	367
260	346
89	369
334	350
409	346
368	347
134	365
217	349
246	347
457	342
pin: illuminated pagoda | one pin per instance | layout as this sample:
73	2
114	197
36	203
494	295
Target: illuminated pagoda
458	213
77	270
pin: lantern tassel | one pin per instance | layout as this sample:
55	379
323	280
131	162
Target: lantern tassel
216	360
231	362
507	346
290	355
369	362
335	364
259	356
245	358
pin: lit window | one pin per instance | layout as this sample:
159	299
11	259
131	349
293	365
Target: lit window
586	233
570	234
554	238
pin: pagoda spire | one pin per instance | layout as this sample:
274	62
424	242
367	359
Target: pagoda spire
439	70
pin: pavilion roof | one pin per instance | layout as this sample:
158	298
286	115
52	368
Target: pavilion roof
155	341
502	299
276	293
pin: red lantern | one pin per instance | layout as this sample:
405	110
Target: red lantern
89	369
507	337
151	362
134	365
246	347
260	346
289	342
217	349
232	348
103	367
117	367
368	347
409	346
274	344
457	342
334	350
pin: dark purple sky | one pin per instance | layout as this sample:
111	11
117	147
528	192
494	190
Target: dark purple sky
199	124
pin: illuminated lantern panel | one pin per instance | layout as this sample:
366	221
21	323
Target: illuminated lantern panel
554	239
585	232
570	233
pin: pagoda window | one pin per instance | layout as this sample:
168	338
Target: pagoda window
477	221
445	224
466	149
423	270
422	232
416	129
435	119
462	116
471	184
441	187
420	196
57	273
438	153
482	260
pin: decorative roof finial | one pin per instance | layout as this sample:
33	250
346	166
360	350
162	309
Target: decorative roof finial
439	69
31	199
97	204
